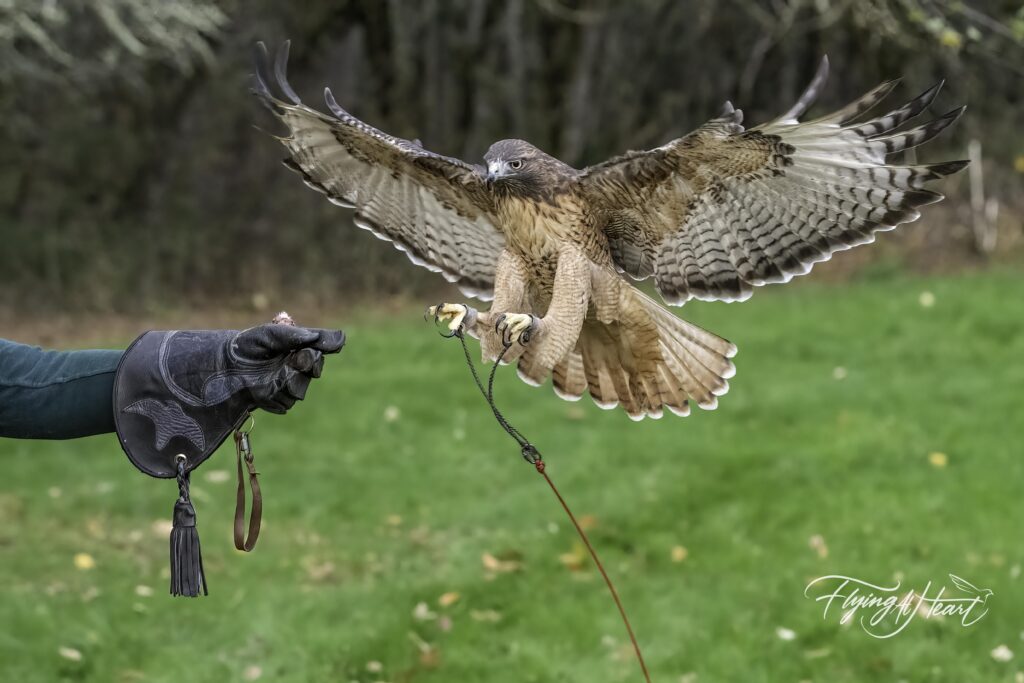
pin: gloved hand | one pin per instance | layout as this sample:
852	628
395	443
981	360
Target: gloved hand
297	353
183	392
273	363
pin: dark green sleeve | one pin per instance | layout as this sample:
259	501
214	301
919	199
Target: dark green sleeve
55	394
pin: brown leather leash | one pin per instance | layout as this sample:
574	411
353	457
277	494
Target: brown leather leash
243	452
533	456
243	449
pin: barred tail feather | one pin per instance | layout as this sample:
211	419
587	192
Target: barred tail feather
570	377
645	369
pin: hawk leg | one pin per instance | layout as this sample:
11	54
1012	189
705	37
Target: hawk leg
544	340
510	280
554	335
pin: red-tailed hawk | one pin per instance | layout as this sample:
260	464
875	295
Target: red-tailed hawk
709	216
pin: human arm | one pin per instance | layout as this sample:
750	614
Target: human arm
55	394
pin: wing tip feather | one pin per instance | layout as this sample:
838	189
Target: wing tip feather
281	72
332	104
947	168
809	94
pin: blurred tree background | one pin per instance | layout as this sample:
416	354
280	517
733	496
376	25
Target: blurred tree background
134	177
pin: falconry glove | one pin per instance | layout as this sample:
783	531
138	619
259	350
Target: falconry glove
179	394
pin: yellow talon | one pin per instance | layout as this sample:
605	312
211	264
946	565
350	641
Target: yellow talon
515	327
453	314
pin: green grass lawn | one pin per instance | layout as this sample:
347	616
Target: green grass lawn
391	484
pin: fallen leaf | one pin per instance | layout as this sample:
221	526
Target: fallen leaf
420	535
785	633
54	588
392	413
374	667
319	571
84	561
70	653
489	616
938	460
162	527
926	299
143	591
421	645
839	373
448	599
95	528
421	612
1002	654
679	553
252	672
623	653
217	476
817	544
508	563
430	659
575	559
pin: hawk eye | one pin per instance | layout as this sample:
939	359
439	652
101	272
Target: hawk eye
515	164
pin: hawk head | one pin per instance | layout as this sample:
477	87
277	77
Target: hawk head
515	167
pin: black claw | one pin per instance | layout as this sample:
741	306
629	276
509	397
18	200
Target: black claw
497	324
437	314
527	335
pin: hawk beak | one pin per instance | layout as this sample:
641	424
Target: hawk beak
494	171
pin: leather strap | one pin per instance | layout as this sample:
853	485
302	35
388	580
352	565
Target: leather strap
256	514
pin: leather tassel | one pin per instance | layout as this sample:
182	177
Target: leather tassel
187	576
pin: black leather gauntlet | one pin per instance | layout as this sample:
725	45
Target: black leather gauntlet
183	392
179	394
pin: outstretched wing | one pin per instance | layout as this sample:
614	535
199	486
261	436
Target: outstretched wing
434	208
963	584
722	210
